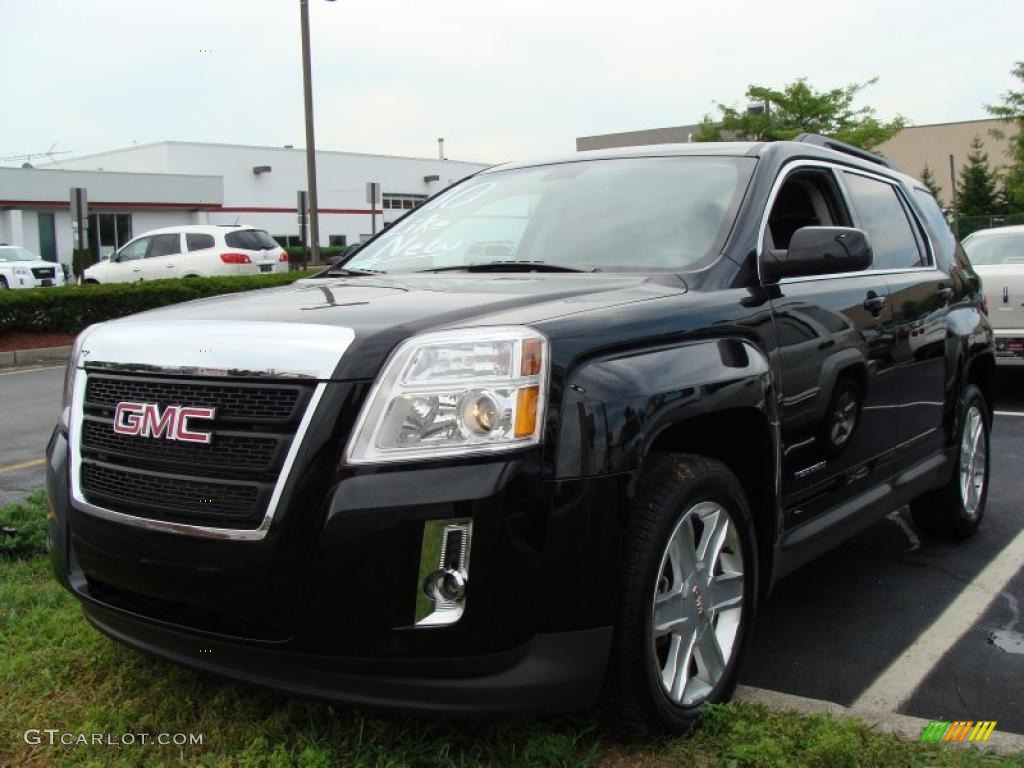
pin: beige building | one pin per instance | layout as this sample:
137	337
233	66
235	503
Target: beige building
914	147
909	150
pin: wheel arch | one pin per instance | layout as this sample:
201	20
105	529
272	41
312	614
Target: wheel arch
713	398
741	439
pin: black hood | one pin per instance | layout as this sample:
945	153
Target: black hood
384	310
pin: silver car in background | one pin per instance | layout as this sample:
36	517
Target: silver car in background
998	256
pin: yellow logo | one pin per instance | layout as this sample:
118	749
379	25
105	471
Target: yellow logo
958	730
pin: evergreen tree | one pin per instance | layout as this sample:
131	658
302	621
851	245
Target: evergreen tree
977	185
928	179
1012	110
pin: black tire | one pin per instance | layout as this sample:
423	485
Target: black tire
3	284
670	485
944	512
91	282
843	416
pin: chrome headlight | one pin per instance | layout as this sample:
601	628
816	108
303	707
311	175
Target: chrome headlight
455	392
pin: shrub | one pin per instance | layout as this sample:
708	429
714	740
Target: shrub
81	258
69	309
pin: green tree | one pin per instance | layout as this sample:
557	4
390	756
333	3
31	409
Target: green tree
800	108
976	188
1012	110
928	179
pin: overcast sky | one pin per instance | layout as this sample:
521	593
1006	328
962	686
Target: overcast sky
499	80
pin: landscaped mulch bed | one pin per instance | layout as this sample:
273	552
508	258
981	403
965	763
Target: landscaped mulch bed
16	340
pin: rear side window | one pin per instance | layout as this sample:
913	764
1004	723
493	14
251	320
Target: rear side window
885	220
197	241
250	240
164	245
937	224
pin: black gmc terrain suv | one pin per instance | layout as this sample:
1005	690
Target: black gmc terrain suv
554	432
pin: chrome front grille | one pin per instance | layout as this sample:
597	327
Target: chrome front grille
227	483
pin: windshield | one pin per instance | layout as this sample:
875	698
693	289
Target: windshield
1002	248
17	254
631	214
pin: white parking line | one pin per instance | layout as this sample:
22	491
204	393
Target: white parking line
1008	413
902	677
31	370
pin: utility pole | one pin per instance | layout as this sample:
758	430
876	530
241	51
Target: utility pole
956	205
307	89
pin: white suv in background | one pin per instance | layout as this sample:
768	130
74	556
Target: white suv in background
191	251
20	268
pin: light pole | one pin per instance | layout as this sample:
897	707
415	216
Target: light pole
307	90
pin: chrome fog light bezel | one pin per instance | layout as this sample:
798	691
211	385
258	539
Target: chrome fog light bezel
443	576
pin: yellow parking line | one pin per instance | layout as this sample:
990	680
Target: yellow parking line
23	465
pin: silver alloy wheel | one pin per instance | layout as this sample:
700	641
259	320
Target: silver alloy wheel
844	417
698	601
973	460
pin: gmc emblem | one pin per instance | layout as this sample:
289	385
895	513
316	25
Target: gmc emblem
146	420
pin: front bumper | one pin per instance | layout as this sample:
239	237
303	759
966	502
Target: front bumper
323	607
551	673
23	281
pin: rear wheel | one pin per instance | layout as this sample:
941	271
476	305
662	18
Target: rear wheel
3	284
688	594
955	510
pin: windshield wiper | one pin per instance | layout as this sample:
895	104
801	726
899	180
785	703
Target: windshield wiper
346	272
508	266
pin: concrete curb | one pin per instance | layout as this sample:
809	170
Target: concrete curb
33	356
888	722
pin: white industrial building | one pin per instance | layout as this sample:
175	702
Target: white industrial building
139	188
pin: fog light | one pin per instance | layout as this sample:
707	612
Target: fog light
443	572
445	586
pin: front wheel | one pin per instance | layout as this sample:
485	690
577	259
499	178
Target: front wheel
955	510
3	284
687	601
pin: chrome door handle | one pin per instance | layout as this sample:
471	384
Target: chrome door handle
874	303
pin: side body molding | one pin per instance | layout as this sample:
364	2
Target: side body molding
615	407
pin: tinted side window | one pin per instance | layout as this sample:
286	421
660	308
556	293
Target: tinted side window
250	240
164	245
937	224
884	218
197	241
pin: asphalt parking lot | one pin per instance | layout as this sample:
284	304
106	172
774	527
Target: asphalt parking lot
887	622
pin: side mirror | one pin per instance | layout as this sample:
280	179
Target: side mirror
819	251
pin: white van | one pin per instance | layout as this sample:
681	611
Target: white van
191	251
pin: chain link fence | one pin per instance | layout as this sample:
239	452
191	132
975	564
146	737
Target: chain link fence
969	224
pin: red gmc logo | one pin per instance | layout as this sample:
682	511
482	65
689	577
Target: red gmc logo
147	420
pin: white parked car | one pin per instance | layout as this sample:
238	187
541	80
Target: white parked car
191	251
998	256
20	268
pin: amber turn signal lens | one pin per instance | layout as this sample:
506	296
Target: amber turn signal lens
526	411
532	350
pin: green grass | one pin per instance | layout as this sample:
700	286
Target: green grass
57	672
